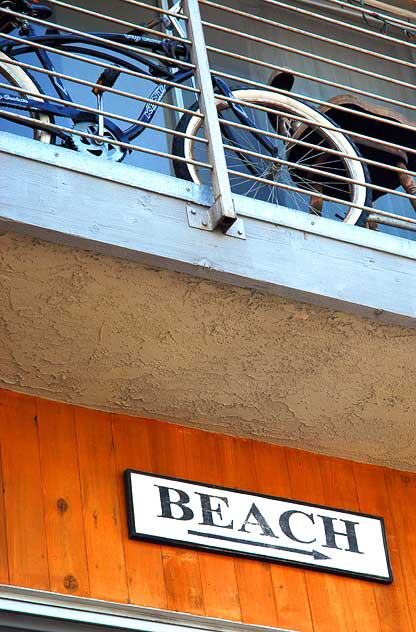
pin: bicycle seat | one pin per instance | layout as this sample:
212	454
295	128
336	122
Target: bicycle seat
379	131
282	79
40	11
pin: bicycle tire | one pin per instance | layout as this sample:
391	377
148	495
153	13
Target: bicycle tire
17	77
351	196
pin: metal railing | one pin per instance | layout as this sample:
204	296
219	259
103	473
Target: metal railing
302	103
369	94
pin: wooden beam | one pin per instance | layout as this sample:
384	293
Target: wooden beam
61	196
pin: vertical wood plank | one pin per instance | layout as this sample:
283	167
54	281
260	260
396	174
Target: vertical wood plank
358	596
26	538
101	509
402	492
289	584
145	574
218	574
324	590
391	600
62	499
4	561
254	579
181	566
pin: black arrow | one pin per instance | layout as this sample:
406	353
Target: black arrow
315	554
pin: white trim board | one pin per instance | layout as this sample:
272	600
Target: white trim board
66	609
64	197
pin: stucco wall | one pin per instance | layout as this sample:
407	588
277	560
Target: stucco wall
115	335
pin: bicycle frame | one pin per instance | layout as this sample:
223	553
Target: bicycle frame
76	44
111	54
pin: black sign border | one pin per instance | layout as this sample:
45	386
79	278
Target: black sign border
134	535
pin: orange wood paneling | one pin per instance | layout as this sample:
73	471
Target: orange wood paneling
63	520
401	488
218	572
289	584
392	602
254	578
132	450
23	501
4	562
101	508
325	591
358	596
181	566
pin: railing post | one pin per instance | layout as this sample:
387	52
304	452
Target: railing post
222	213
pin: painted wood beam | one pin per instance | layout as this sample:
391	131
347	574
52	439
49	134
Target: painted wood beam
62	196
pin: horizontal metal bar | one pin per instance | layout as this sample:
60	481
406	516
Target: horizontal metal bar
328	150
303	75
156	9
386	6
319	171
302	53
363	10
295	95
393	215
53	126
91	84
119	117
95	38
158	128
339	23
290	187
101	64
114	20
310	34
322	126
303	120
390	221
343	10
348	9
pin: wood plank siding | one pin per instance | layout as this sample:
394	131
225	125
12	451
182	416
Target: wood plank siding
63	520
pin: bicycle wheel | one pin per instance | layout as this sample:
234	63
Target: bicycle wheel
314	167
16	77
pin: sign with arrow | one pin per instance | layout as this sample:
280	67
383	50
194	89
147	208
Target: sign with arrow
235	522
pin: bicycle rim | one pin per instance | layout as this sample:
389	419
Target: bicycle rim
317	168
14	76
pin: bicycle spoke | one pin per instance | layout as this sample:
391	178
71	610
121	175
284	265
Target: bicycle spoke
312	169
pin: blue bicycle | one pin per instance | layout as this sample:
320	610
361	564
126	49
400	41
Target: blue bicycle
278	149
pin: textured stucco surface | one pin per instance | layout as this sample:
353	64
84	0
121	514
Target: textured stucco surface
112	334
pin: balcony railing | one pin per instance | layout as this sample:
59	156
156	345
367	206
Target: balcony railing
302	104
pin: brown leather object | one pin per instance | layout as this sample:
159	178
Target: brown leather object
384	131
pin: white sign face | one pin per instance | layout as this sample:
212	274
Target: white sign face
222	520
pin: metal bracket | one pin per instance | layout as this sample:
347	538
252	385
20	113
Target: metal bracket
205	219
